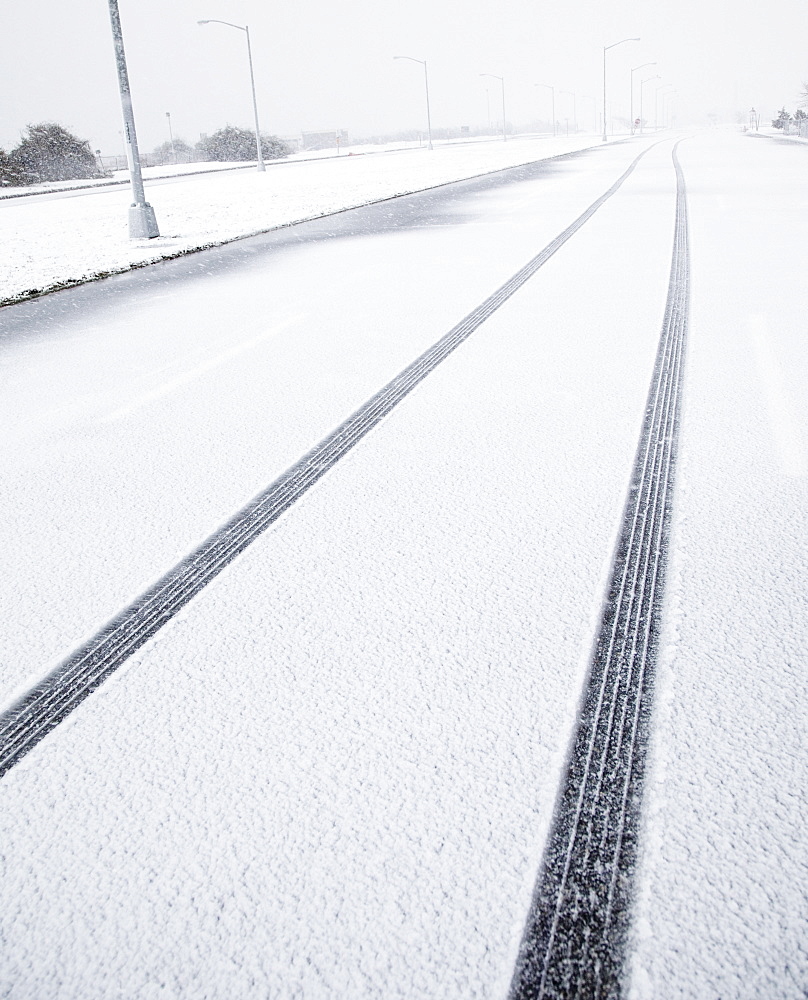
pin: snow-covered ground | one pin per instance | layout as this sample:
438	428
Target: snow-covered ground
332	775
118	177
161	171
69	236
766	131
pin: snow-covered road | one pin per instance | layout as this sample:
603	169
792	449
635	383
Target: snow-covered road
333	773
724	881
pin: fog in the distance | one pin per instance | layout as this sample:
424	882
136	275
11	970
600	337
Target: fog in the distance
326	66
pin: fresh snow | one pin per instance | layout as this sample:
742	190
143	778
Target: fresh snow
50	240
723	894
333	773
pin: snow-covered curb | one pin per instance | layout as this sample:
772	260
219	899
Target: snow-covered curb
57	243
119	177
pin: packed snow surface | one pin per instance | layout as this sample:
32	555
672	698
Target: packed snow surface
333	773
723	894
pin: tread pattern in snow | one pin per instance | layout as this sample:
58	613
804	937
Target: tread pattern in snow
574	940
45	706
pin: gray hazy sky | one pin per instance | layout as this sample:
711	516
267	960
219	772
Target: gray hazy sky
329	65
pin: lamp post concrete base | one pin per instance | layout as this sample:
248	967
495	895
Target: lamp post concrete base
142	222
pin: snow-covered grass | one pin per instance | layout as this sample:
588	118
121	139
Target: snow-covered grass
117	177
163	170
74	236
767	131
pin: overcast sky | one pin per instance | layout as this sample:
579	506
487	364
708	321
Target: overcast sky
329	65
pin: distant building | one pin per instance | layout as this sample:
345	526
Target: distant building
325	140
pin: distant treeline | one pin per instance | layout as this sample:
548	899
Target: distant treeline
796	122
791	123
49	152
228	144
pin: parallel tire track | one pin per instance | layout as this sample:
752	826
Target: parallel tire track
574	940
46	705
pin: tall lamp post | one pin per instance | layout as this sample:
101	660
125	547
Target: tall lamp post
642	84
171	138
246	30
502	82
426	87
574	97
594	100
605	50
632	90
142	221
667	108
664	86
552	91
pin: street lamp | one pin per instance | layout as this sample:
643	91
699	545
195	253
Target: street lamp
605	50
502	82
142	221
594	100
246	30
657	92
632	90
574	109
642	84
426	86
552	91
171	138
667	108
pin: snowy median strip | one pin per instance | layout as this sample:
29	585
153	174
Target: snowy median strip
74	237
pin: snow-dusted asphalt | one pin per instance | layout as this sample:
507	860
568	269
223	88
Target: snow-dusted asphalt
333	773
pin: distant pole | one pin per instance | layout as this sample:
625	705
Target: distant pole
552	91
171	138
142	220
426	87
594	101
642	84
246	30
574	97
632	91
428	115
502	84
667	109
664	86
605	50
258	149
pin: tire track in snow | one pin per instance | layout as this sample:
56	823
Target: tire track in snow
41	709
574	939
